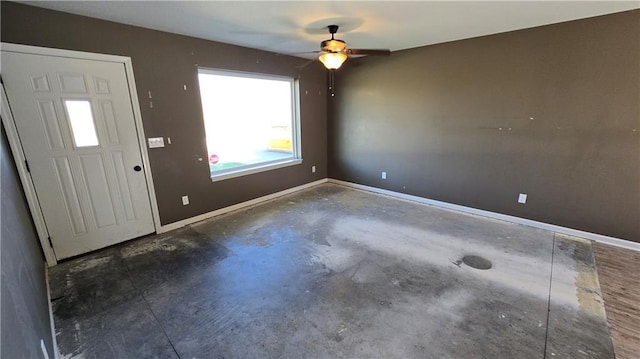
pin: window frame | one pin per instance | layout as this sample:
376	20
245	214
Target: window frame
296	133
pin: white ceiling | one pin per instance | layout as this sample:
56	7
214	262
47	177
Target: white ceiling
298	26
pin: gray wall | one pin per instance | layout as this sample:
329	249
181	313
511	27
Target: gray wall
553	112
25	311
163	63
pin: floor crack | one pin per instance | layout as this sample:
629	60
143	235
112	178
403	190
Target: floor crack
150	310
356	271
546	333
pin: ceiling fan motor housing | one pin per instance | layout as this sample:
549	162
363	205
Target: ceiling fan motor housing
333	45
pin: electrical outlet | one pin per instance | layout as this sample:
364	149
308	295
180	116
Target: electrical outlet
185	200
313	169
522	198
384	175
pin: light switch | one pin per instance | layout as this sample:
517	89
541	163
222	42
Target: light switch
155	142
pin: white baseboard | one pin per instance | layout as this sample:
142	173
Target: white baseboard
527	222
202	217
54	340
618	242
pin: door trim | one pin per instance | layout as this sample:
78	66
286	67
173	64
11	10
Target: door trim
25	179
18	153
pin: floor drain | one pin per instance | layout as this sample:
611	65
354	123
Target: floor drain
477	262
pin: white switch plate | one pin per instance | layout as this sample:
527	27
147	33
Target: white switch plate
185	200
156	142
313	169
522	198
384	175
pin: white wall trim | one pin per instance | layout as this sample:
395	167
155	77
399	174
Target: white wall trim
36	50
54	340
16	146
517	220
25	179
142	142
202	217
256	169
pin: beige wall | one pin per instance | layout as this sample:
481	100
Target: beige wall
549	111
163	63
553	112
25	311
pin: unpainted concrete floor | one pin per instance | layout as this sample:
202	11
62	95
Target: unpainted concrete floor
333	272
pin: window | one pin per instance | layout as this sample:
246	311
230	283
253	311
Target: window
82	124
251	122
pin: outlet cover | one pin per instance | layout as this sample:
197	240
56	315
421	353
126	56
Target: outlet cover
384	175
185	200
156	142
313	169
522	198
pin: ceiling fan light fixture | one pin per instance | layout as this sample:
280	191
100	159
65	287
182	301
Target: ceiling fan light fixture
333	45
332	60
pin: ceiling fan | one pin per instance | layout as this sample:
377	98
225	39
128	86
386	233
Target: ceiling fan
334	52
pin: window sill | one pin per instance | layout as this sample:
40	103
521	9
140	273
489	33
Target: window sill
256	169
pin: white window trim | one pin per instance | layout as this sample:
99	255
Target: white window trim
260	167
296	157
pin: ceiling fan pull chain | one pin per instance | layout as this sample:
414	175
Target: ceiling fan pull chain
331	82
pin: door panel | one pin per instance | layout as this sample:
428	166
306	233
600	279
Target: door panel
99	194
69	195
72	83
110	121
123	187
75	120
51	124
40	83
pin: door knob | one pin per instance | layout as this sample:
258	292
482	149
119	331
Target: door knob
137	168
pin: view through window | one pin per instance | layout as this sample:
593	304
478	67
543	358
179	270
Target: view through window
250	120
82	124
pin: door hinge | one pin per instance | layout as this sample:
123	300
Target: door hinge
50	243
26	164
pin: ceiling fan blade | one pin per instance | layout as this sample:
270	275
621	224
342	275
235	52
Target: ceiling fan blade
377	52
303	52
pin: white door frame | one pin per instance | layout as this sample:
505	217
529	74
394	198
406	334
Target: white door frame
18	154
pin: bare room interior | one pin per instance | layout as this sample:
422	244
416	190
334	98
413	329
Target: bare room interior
236	179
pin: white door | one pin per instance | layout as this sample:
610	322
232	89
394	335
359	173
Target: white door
75	122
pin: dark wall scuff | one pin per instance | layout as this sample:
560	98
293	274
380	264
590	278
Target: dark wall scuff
553	112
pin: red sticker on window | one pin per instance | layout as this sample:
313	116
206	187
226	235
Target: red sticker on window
213	159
